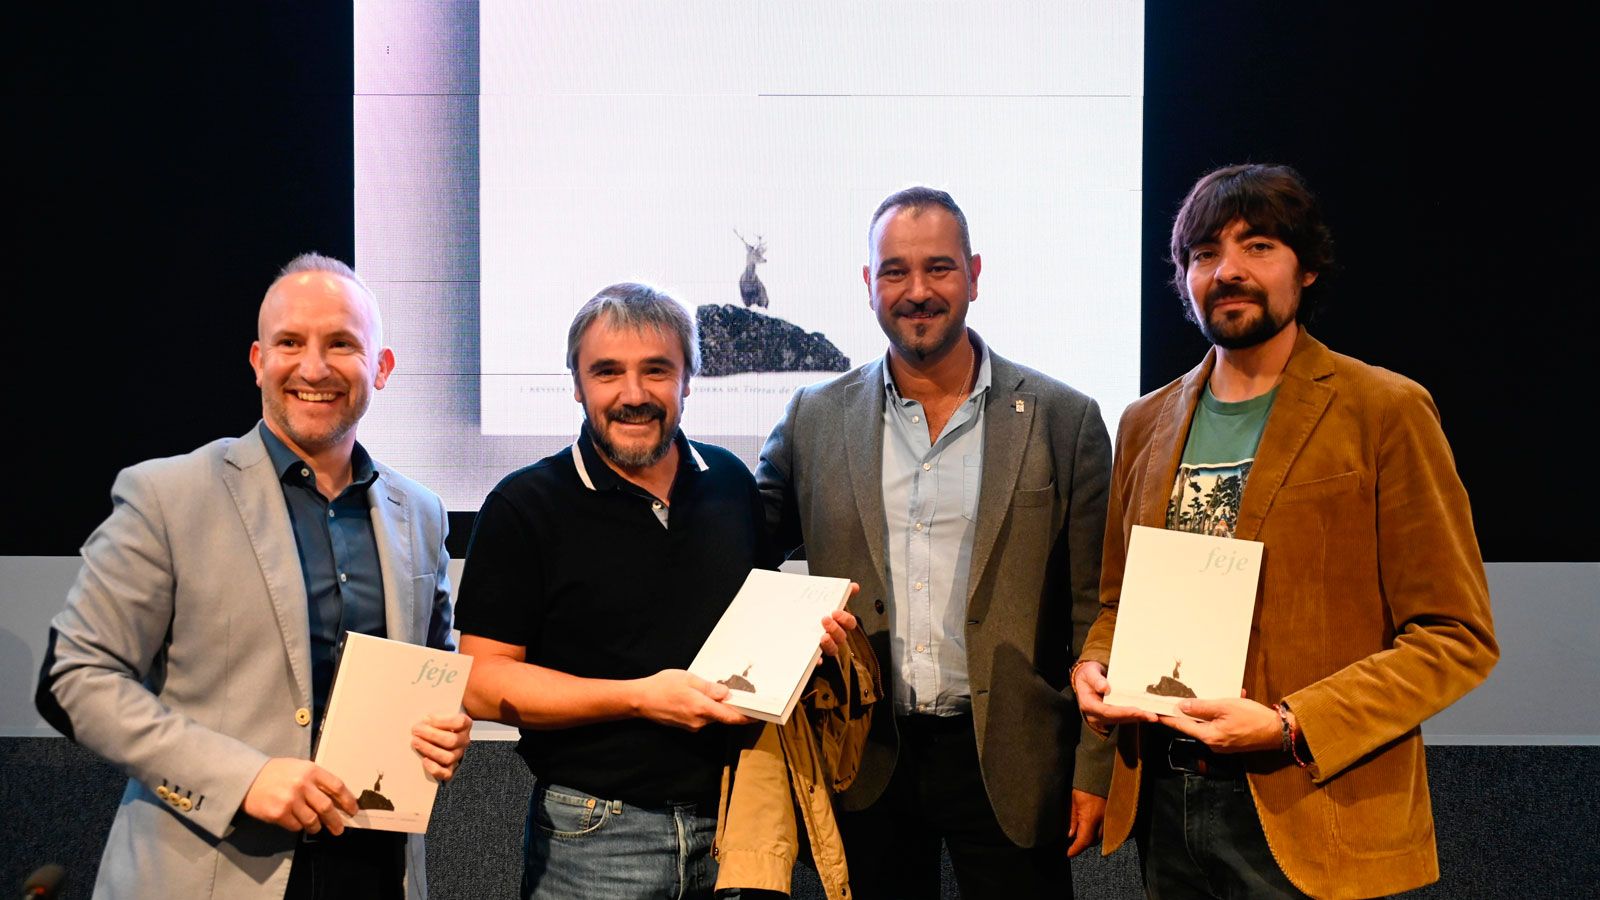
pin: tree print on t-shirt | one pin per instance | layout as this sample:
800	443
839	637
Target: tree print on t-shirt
1205	498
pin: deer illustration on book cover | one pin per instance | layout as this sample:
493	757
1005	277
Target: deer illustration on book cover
741	681
1169	685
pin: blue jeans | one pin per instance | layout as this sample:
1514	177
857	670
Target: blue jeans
579	846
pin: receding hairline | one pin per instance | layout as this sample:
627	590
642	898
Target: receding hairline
369	300
916	211
917	198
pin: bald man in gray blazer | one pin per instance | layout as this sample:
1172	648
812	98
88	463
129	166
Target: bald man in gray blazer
966	494
197	639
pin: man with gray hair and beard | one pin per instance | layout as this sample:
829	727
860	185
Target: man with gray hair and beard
592	579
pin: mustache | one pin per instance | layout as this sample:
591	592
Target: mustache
1223	292
637	415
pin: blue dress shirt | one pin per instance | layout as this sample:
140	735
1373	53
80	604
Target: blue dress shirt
930	502
338	558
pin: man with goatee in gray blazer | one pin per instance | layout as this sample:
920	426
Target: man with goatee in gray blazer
966	494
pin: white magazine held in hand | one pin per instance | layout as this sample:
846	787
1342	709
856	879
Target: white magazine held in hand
381	689
766	643
1183	621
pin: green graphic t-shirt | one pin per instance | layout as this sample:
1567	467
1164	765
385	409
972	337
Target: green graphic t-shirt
1216	463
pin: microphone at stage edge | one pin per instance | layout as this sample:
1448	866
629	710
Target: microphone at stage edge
45	882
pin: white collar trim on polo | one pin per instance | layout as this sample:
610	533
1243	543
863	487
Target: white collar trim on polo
583	469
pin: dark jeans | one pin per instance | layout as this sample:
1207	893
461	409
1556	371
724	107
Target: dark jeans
1200	837
361	864
937	793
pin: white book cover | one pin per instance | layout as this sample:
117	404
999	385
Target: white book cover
1183	623
381	689
765	645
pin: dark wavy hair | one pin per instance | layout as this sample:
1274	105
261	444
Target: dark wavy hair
1274	201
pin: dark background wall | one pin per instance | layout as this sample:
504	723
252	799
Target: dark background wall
1445	147
164	160
167	158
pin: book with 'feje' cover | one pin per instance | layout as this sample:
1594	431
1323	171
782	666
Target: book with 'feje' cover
765	645
381	689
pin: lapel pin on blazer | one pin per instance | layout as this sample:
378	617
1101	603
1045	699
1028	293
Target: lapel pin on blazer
1021	406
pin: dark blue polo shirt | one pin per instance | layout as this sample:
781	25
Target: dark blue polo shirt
338	557
597	579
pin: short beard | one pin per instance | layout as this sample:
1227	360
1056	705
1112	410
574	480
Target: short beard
635	458
276	409
1263	329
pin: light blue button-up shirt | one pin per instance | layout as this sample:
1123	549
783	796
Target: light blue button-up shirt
930	502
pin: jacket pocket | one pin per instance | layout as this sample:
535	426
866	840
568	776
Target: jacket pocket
1319	488
1037	497
1381	806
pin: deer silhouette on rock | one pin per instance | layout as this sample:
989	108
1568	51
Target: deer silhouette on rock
751	290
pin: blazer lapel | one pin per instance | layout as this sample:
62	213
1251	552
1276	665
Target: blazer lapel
1302	399
258	494
1165	451
863	439
1007	421
391	527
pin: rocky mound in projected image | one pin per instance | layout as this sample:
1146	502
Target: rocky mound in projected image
734	341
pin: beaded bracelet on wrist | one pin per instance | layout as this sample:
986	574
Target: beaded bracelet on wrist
1291	737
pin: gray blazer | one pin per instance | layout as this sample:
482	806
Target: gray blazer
1034	584
184	657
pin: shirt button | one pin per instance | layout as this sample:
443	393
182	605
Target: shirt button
918	585
302	716
343	578
656	504
927	467
305	473
918	526
922	648
915	419
330	513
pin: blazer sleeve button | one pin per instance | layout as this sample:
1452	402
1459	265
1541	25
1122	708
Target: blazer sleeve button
185	804
302	716
162	792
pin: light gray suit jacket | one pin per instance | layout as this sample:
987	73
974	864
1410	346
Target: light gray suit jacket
184	657
1034	584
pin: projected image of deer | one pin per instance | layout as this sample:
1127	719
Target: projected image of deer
736	339
751	290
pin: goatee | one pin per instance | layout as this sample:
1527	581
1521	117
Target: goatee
1228	332
635	457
